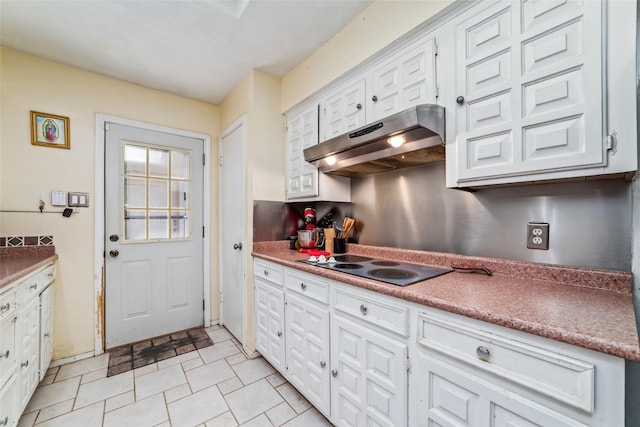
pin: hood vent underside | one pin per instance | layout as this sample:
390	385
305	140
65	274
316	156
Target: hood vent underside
368	150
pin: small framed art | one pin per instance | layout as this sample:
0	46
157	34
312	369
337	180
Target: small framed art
50	130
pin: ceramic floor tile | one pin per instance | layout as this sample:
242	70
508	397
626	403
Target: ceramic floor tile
259	421
197	408
88	416
218	351
54	393
95	375
159	381
147	412
48	379
295	399
253	370
83	367
310	418
55	410
191	364
208	375
281	414
250	401
176	393
103	389
276	379
178	359
220	335
236	358
144	370
232	384
119	401
223	420
27	420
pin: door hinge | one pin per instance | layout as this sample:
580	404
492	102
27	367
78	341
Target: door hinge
612	141
407	365
203	231
202	305
220	162
435	47
203	159
107	127
437	91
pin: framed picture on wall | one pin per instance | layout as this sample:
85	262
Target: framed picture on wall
50	130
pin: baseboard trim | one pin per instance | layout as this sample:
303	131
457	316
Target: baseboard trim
70	359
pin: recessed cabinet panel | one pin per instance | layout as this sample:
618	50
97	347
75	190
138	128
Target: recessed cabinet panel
489	111
554	94
489	76
489	35
563	44
490	151
545	13
451	399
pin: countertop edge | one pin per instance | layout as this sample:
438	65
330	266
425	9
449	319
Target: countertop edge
7	280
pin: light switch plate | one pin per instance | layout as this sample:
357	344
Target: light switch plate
58	198
78	200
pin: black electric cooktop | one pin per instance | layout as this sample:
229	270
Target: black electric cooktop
392	272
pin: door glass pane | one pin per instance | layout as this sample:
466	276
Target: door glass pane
179	194
179	224
135	190
135	224
179	165
135	160
158	224
158	193
158	162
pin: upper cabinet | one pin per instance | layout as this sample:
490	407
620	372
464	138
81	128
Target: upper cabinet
529	93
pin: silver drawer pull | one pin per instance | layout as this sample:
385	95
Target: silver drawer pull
50	275
4	355
363	309
25	364
47	335
303	286
5	307
266	272
279	333
4	421
334	373
34	286
323	364
483	352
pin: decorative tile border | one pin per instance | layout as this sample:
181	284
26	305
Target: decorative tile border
18	241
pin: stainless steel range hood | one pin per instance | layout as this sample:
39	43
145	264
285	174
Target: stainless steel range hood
368	150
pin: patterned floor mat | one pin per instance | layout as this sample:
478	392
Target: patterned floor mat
125	358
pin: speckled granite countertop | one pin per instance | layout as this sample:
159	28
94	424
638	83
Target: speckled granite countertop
584	307
19	261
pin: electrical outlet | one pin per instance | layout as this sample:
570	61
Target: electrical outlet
538	235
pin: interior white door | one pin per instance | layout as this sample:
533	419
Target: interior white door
153	234
232	193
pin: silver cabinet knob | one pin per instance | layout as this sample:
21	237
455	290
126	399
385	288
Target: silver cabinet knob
334	373
5	355
4	421
5	307
279	333
237	246
114	253
323	364
483	352
363	309
34	286
303	286
266	272
25	364
47	335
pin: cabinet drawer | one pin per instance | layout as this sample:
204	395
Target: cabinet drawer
544	371
29	288
372	309
269	272
7	303
48	275
7	349
308	286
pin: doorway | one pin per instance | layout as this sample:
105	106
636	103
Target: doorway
152	236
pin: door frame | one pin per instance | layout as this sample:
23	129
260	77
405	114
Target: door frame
241	122
99	219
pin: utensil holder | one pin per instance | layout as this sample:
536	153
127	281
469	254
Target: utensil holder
339	246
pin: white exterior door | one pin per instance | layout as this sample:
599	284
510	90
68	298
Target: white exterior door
232	193
153	234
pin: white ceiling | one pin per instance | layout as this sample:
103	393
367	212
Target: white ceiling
195	48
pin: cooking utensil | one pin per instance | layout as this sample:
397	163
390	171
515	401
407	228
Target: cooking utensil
309	239
470	269
329	235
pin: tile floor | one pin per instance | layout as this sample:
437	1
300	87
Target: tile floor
213	386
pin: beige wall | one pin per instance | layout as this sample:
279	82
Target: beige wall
374	28
26	171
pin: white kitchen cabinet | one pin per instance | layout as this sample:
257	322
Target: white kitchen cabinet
269	313
343	110
303	181
466	372
24	355
527	93
307	338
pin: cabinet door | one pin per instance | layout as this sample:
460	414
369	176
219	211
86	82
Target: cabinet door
269	314
344	110
8	356
46	330
29	351
529	89
446	395
9	412
302	132
307	343
370	377
405	80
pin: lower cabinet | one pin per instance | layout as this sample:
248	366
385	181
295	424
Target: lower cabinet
368	359
26	344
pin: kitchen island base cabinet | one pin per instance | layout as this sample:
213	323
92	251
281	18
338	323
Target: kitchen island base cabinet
370	377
